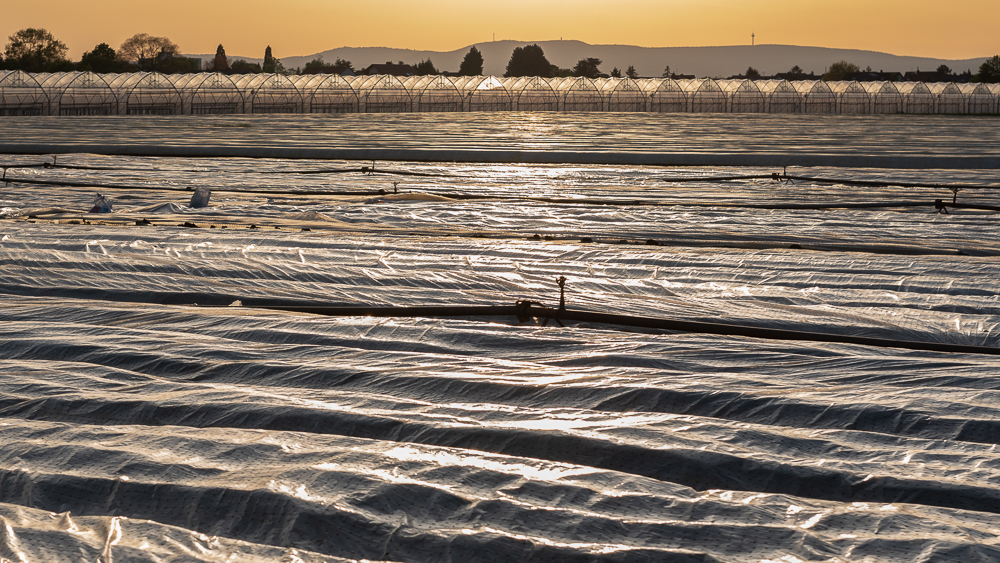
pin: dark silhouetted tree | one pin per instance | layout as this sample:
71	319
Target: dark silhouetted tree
102	59
631	72
318	65
239	66
587	68
472	64
145	50
839	70
529	61
221	62
943	70
425	68
342	65
752	73
615	73
34	50
269	66
989	71
795	70
666	72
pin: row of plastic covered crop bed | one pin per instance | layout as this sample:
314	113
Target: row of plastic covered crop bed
85	93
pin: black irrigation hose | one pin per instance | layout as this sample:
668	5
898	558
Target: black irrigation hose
885	183
361	170
524	311
553	200
189	189
633	202
516	156
718	178
685	179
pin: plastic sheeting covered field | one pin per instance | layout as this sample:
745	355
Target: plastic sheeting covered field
146	416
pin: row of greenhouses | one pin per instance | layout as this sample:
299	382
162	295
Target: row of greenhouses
85	93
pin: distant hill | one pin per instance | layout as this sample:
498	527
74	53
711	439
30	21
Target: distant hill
649	61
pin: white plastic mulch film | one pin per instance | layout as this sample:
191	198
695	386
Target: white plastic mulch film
86	93
150	412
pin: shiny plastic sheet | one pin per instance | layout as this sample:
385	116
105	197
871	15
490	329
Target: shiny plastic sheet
36	535
146	416
450	440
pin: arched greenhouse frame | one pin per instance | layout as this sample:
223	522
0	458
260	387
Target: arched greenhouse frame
781	96
81	93
382	93
705	96
532	93
626	95
87	93
485	93
665	95
22	94
817	96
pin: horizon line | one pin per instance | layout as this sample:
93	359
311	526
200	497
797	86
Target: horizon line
610	45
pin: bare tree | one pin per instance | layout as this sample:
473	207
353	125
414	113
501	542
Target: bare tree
145	50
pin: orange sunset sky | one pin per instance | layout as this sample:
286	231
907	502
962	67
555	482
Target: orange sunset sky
951	30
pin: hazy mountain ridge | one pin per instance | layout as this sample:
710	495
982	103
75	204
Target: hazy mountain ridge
648	61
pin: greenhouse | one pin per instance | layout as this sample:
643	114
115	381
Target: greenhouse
665	96
980	98
948	98
885	97
918	97
485	93
21	94
817	96
436	94
382	94
580	94
780	96
80	93
852	97
532	93
147	94
705	96
87	93
625	95
744	96
210	94
270	93
326	93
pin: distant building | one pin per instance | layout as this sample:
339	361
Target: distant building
400	69
793	76
930	76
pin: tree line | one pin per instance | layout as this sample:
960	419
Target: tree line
37	50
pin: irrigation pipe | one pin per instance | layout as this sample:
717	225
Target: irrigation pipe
527	310
189	189
493	156
884	183
364	170
538	199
